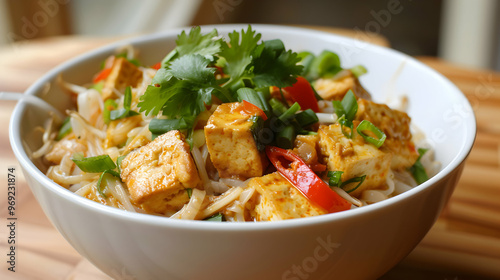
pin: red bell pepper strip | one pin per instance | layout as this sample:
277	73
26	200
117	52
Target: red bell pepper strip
102	75
293	168
252	109
156	66
303	93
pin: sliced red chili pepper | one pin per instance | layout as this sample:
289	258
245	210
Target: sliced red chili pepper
252	109
303	93
156	66
318	167
296	171
102	75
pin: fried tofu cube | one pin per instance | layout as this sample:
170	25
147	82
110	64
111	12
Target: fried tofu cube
354	157
396	126
335	88
158	174
123	74
307	146
276	199
231	144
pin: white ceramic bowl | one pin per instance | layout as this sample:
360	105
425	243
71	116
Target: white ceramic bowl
362	243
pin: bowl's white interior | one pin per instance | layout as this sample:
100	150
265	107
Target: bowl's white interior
435	104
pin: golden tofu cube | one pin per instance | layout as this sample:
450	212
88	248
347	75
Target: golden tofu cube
123	74
158	173
307	146
335	88
277	199
396	126
231	145
354	157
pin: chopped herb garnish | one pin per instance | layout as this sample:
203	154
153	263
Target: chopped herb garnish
119	163
93	164
256	128
358	70
335	180
186	83
216	218
189	192
65	128
346	111
418	170
365	125
110	113
99	182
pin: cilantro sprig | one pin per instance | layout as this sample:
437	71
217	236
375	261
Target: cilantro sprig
186	82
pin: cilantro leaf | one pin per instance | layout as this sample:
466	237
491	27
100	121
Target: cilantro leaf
193	68
238	54
273	69
182	90
206	45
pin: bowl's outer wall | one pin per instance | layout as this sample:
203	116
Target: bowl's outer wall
358	247
357	244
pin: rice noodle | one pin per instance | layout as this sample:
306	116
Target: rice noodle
78	120
191	209
347	197
217	187
220	202
84	190
238	206
372	196
202	171
66	165
72	88
118	192
90	105
47	139
55	173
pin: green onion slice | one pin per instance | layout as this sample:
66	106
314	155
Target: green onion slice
335	178
277	106
289	113
109	105
306	118
360	179
99	184
160	126
368	126
189	192
125	111
256	128
326	63
418	170
286	137
348	106
345	123
119	163
358	70
93	164
65	128
254	97
216	218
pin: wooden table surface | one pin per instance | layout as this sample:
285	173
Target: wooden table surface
463	244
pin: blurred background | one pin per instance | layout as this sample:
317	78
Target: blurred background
461	31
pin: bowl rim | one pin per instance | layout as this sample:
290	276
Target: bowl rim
55	189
